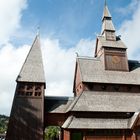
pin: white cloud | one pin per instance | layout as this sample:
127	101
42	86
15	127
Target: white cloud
10	15
129	8
130	32
10	57
11	60
59	62
60	65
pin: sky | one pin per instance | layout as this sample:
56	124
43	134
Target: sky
66	27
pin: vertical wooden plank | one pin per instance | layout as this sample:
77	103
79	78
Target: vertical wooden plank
66	135
133	137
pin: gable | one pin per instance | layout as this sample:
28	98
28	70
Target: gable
77	78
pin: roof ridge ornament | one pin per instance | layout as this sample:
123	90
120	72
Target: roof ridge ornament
38	31
105	3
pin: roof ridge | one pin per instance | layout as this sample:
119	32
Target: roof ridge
68	121
133	120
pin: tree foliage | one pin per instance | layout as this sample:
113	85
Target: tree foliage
3	123
52	133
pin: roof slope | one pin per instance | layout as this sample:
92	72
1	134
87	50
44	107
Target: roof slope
106	12
92	70
95	123
93	101
107	20
32	69
57	104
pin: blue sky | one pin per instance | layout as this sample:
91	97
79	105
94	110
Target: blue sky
68	20
66	27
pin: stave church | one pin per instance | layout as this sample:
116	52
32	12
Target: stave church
106	102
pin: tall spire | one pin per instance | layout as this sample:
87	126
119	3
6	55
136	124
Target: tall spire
107	24
32	69
106	12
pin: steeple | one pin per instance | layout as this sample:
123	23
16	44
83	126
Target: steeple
109	47
32	69
106	12
108	29
27	114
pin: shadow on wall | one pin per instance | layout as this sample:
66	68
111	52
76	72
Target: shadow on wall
26	121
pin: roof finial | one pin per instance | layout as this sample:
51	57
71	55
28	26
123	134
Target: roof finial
105	3
77	54
38	30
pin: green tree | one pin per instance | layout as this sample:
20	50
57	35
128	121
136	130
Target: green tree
3	123
52	132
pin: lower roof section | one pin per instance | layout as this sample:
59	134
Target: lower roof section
96	123
96	101
54	104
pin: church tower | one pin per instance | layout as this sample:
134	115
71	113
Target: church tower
27	114
109	47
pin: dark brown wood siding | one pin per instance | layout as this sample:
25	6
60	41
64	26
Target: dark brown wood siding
55	119
116	60
27	115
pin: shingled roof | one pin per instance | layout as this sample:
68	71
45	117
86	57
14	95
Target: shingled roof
32	69
92	70
95	101
57	104
102	42
95	123
107	20
106	12
92	123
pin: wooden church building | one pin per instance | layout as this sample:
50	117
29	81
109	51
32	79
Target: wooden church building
106	102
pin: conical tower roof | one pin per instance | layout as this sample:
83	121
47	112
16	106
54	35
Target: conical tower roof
32	69
107	20
106	12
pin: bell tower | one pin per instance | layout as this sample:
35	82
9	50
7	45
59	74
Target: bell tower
109	47
27	113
